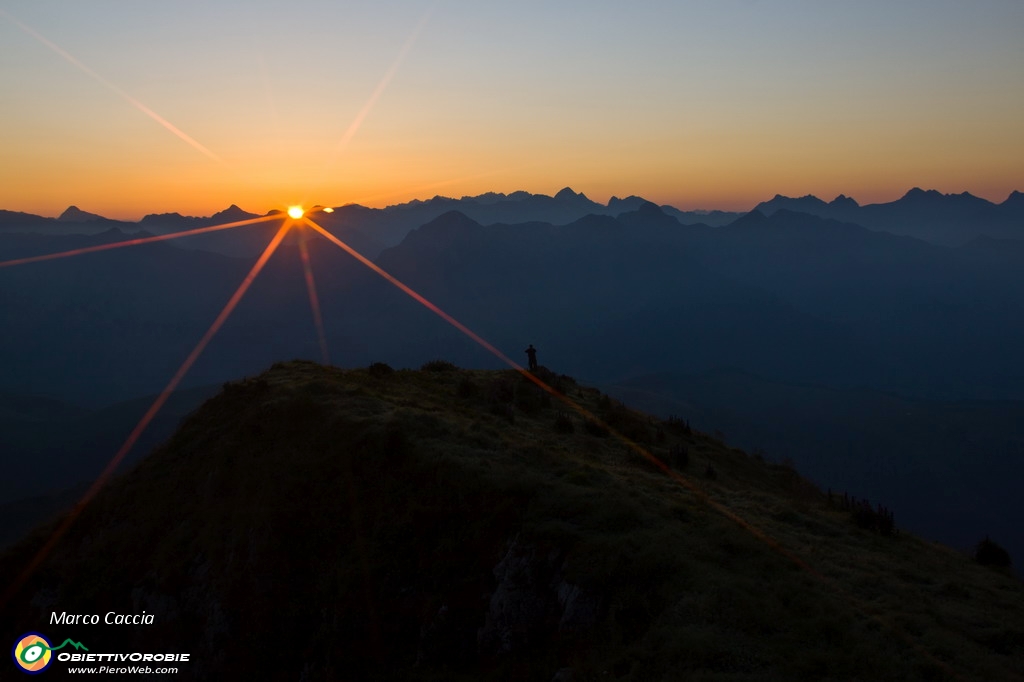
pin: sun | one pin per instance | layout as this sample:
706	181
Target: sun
296	212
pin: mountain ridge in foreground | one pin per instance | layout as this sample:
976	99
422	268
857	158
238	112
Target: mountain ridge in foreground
465	525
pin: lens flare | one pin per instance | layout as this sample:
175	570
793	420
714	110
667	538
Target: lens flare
71	59
147	418
134	242
314	301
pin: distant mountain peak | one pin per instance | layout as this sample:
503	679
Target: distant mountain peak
440	232
160	218
804	198
486	198
233	212
567	193
843	201
918	193
1015	199
648	214
448	223
73	214
454	218
630	203
961	200
752	219
805	204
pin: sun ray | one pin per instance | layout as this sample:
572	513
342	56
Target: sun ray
314	300
357	122
150	414
416	296
136	242
74	61
582	411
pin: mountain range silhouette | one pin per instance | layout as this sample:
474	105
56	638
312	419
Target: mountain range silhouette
650	307
949	219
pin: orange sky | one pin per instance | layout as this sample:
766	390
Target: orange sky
700	105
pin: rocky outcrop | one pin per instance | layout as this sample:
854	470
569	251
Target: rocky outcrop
533	602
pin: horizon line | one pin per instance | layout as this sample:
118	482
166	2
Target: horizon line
382	206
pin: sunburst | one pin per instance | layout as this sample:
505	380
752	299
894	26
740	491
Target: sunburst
295	216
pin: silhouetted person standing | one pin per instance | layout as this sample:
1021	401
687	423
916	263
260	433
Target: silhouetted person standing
531	356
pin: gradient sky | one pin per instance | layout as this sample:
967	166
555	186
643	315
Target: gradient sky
700	103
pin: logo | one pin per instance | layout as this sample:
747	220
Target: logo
33	653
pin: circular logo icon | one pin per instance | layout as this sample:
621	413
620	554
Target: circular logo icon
32	653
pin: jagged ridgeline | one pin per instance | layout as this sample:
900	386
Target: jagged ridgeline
322	524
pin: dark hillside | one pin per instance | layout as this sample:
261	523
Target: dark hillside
320	524
952	470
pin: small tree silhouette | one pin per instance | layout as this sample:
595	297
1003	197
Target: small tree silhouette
380	369
679	425
879	519
988	553
438	366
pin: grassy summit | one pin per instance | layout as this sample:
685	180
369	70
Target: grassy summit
319	524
